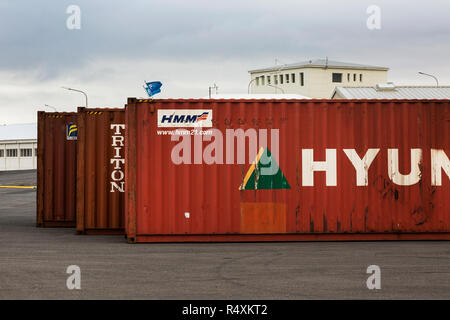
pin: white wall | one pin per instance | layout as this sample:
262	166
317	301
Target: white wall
317	81
19	162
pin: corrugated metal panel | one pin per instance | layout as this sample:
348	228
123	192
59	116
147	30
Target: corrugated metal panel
236	202
100	178
400	92
56	173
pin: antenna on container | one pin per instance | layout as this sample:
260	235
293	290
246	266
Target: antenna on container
213	87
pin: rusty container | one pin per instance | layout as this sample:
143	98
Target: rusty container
289	170
56	169
101	171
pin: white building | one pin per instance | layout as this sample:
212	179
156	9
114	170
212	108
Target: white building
391	91
18	147
314	78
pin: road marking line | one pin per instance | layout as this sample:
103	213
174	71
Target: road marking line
18	187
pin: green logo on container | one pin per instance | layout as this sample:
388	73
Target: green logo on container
264	173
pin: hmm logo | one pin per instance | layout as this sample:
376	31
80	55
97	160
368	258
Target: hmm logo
184	118
72	131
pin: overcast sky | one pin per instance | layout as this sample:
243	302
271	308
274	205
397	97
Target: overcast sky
189	45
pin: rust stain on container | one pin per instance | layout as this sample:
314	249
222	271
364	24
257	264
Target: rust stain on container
343	170
263	217
56	170
101	171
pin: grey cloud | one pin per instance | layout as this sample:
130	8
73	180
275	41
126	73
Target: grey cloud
37	35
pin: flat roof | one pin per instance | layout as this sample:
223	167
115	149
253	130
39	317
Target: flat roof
23	131
321	63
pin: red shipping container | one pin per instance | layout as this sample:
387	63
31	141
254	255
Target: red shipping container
287	170
56	169
100	174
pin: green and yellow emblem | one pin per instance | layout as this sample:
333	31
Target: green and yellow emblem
264	173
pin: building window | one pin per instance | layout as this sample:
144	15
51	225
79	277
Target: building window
293	77
11	153
337	77
302	79
354	77
281	79
26	153
348	77
287	78
268	79
2	153
262	80
360	77
35	152
257	81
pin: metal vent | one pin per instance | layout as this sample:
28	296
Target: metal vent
390	86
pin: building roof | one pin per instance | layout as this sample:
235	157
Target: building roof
390	91
26	131
321	63
256	96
